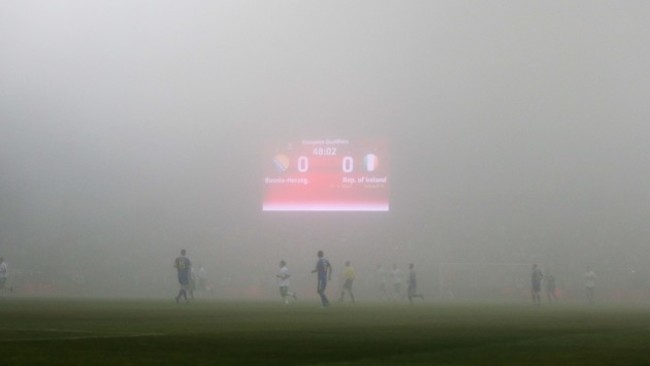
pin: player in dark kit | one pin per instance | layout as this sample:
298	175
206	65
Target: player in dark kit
412	284
348	277
550	287
184	268
324	270
536	284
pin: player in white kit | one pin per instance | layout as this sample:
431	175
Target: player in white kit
284	282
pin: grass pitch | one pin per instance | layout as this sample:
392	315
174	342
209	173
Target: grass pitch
156	332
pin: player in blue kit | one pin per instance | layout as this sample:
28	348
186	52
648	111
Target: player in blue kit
324	270
184	268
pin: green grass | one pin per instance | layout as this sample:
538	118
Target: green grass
155	332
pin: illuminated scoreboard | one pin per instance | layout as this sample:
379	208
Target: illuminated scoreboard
327	175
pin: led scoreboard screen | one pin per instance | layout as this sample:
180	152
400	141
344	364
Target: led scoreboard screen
327	175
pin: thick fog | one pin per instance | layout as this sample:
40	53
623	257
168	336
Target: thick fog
130	130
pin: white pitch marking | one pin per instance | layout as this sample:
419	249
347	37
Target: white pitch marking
79	337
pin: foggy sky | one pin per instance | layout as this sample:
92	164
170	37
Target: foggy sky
131	129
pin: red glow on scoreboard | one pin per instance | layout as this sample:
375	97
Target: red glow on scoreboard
327	175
